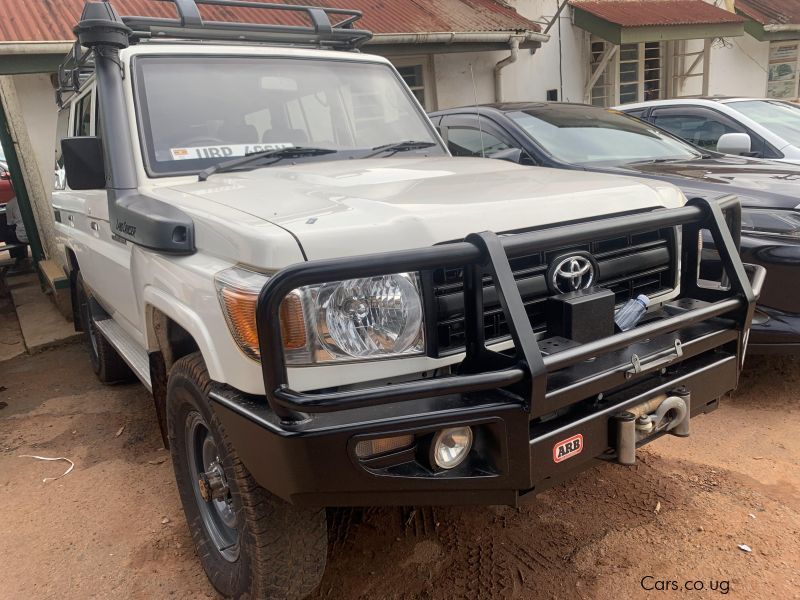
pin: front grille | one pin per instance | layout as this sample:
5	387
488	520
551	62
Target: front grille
628	265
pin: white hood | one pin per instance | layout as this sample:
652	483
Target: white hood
343	208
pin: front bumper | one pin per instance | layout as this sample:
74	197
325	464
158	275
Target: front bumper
315	463
522	406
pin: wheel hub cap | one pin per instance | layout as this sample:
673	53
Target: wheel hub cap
212	483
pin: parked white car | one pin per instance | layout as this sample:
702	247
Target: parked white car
330	310
758	127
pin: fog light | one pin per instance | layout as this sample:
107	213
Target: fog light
451	446
367	448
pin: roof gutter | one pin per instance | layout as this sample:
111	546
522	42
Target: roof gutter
780	27
458	37
23	48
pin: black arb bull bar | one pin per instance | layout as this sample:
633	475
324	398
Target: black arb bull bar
524	405
527	370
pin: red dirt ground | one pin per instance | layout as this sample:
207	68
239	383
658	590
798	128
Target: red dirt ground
678	515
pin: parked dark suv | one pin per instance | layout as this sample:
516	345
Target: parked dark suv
589	138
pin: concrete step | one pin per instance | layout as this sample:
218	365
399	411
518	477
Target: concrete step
54	274
41	322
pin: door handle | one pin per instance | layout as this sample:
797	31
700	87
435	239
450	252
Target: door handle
94	226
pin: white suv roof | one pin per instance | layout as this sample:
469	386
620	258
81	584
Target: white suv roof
173	47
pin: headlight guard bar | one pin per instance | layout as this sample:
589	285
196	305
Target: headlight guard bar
526	371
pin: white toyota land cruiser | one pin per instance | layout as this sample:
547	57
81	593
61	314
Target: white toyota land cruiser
263	226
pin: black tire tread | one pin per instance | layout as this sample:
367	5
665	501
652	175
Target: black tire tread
286	545
109	367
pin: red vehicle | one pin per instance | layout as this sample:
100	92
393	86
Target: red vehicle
6	189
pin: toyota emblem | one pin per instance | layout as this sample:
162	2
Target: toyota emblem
572	273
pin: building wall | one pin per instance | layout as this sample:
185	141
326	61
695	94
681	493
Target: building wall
739	67
454	74
561	63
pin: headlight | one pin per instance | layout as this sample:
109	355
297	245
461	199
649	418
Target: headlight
357	319
772	223
375	316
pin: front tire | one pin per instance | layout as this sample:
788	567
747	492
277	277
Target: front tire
251	544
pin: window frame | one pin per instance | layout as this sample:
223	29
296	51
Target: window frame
641	72
428	77
612	75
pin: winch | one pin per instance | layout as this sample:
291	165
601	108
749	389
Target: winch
667	413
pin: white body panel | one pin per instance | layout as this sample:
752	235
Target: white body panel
261	218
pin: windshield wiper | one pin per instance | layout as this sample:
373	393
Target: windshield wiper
277	153
399	147
653	161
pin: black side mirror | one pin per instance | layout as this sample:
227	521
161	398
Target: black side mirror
83	163
510	154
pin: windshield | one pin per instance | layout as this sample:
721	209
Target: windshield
780	118
584	135
196	112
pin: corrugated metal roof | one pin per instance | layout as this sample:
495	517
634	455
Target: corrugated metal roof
649	13
53	20
771	12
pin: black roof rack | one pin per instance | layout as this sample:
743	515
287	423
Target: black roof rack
326	28
73	72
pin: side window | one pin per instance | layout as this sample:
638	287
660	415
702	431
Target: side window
638	113
699	126
62	131
83	116
470	141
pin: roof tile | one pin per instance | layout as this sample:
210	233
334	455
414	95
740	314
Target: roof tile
648	13
771	12
53	20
